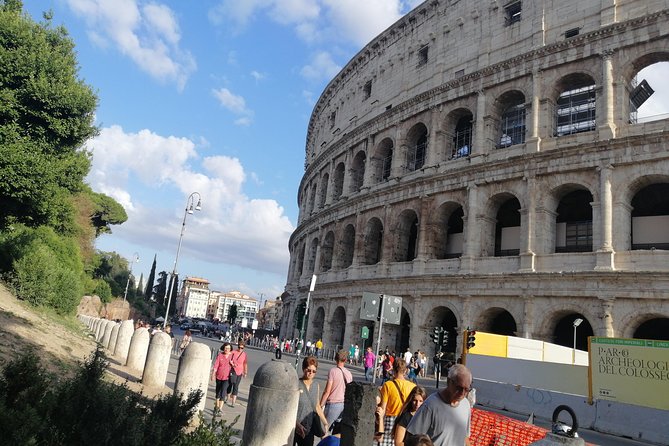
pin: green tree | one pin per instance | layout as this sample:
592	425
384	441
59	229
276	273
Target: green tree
148	293
232	313
46	115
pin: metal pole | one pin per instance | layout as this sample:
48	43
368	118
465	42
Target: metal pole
378	339
170	286
312	287
573	351
135	259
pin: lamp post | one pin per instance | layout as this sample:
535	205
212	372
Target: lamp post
312	287
135	259
191	206
576	323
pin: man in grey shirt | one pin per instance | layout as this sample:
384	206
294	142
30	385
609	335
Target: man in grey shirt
445	416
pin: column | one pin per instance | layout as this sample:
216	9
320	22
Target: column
605	254
434	148
472	235
528	218
368	179
479	145
424	237
528	317
330	183
607	127
606	329
346	187
533	143
399	154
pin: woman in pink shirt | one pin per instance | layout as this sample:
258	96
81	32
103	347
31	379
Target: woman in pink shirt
240	367
221	373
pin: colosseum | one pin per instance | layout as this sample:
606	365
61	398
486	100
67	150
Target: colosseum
486	162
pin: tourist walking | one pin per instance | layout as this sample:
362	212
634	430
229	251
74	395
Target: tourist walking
188	337
394	393
333	395
221	373
311	420
239	368
411	405
369	361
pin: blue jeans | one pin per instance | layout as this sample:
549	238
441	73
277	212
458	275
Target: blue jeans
333	412
369	374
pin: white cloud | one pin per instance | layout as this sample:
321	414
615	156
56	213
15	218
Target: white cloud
362	21
236	104
149	37
232	228
258	76
321	67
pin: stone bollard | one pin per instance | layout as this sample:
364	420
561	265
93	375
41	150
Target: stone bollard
122	347
193	372
552	439
96	328
100	329
139	346
357	420
157	360
106	333
113	338
272	406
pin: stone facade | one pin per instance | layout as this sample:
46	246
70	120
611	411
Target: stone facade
482	161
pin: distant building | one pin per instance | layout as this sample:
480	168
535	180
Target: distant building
219	306
269	317
194	297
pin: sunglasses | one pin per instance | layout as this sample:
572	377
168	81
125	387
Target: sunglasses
310	370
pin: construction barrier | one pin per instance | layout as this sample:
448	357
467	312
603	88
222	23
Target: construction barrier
491	429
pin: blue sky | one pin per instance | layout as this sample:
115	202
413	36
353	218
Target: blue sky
212	96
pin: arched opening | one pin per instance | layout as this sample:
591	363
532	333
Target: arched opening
312	197
337	328
373	242
650	217
512	119
575	106
324	190
564	331
358	171
383	160
316	331
498	321
657	328
327	251
407	237
338	186
403	330
648	90
346	248
462	135
417	147
444	317
300	260
449	231
507	229
311	260
574	222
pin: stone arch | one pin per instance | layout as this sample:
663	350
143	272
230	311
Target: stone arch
317	323
406	236
639	315
327	251
373	242
498	321
311	259
510	128
573	222
575	98
323	196
653	328
312	196
346	247
442	316
338	184
448	227
358	171
563	331
460	132
639	91
337	327
382	161
300	260
501	229
649	216
417	146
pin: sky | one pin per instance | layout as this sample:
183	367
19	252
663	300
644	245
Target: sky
214	97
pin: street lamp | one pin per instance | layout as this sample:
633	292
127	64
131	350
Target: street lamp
135	259
191	206
312	287
576	323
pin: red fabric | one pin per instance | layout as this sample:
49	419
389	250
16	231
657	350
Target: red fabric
222	367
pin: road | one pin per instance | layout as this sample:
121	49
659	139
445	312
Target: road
258	357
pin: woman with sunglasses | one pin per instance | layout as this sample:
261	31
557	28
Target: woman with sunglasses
308	409
221	373
239	367
411	405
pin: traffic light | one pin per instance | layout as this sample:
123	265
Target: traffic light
436	334
471	339
444	338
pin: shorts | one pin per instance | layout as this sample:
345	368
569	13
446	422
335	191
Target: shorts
221	388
